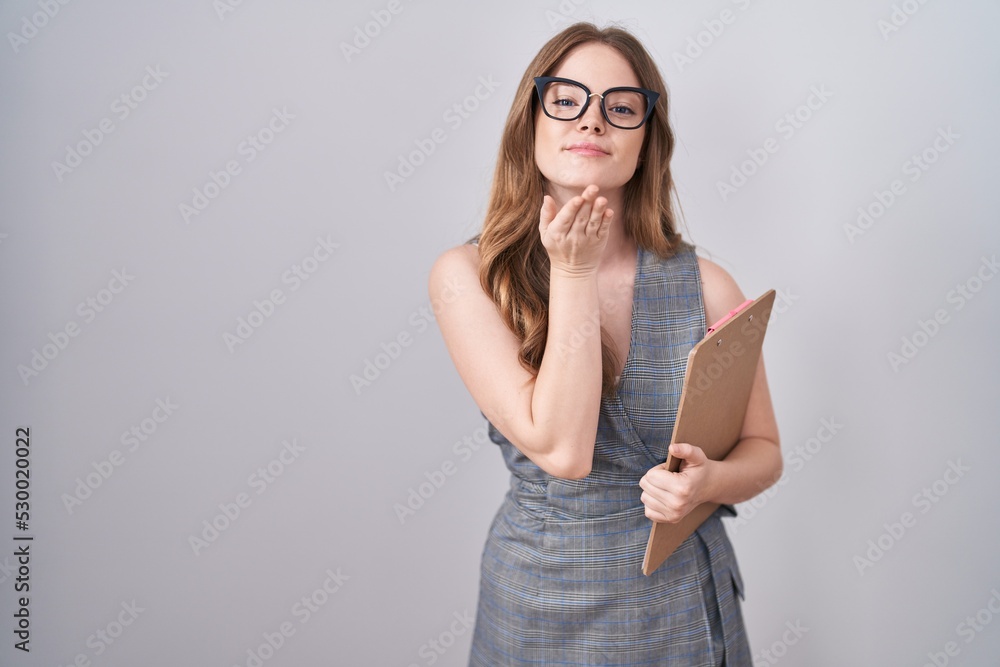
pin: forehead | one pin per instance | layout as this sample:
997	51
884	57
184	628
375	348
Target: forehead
597	66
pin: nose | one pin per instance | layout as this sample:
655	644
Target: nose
592	118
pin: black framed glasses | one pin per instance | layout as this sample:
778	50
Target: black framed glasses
623	107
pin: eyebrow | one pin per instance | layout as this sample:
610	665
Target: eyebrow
595	88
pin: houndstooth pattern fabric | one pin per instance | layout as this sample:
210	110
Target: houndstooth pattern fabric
561	574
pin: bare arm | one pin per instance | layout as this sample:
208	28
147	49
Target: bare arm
552	416
754	464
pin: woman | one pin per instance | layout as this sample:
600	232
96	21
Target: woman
574	315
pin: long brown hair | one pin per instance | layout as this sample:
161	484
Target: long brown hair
514	266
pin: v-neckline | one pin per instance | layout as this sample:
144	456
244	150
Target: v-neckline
632	323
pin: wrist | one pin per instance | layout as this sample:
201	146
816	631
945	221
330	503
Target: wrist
572	273
712	482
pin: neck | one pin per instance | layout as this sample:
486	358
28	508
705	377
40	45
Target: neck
620	247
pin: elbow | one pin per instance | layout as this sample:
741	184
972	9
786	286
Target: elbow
572	472
777	465
565	457
569	465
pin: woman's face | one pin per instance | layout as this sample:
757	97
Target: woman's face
574	154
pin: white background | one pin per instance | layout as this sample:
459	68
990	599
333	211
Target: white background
849	301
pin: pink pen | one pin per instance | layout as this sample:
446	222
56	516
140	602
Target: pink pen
733	312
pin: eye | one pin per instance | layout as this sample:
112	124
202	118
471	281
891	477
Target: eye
626	104
621	110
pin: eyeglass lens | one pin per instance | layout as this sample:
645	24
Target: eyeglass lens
624	108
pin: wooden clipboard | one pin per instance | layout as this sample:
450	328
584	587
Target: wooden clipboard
717	384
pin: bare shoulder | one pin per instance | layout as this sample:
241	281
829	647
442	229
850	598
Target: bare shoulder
461	260
720	291
721	295
454	273
484	350
465	312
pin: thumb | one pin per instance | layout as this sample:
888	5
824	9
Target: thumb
690	454
547	213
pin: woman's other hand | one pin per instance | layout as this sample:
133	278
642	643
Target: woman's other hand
670	496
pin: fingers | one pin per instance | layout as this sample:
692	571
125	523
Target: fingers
575	235
670	496
601	228
595	216
586	213
591	212
590	201
574	213
664	506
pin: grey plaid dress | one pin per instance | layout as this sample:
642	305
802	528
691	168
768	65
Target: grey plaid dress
561	578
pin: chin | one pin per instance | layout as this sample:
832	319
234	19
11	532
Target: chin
578	179
604	183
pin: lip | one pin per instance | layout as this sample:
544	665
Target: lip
587	148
